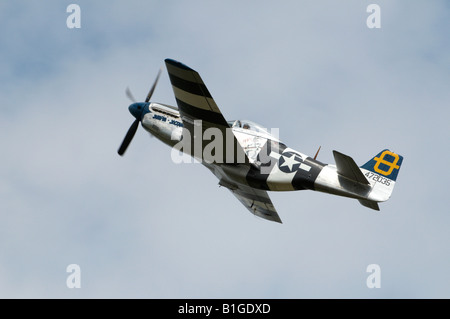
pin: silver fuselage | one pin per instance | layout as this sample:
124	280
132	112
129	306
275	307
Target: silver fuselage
164	122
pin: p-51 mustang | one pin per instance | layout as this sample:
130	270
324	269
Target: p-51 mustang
246	158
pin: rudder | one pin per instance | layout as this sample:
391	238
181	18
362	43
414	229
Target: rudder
382	171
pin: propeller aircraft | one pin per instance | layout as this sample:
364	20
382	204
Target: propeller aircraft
245	157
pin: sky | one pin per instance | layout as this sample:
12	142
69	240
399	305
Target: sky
141	226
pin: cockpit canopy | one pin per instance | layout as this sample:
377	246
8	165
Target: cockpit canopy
248	125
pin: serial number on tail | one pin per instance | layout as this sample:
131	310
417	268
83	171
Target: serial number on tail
378	178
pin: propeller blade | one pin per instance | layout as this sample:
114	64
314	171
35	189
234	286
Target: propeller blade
130	134
150	93
130	95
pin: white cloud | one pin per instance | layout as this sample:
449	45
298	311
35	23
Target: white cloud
141	226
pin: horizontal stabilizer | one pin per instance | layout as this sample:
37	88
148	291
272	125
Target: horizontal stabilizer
370	204
347	167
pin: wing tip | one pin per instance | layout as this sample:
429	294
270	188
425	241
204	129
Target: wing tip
273	217
177	64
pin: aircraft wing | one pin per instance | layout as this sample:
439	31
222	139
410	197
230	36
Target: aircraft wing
195	104
199	112
257	202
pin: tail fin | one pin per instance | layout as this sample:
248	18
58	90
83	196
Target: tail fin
382	171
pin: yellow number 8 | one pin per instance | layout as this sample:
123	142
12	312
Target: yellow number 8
392	165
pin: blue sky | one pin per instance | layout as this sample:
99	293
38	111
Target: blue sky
142	226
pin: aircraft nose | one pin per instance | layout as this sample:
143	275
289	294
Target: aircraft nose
136	110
